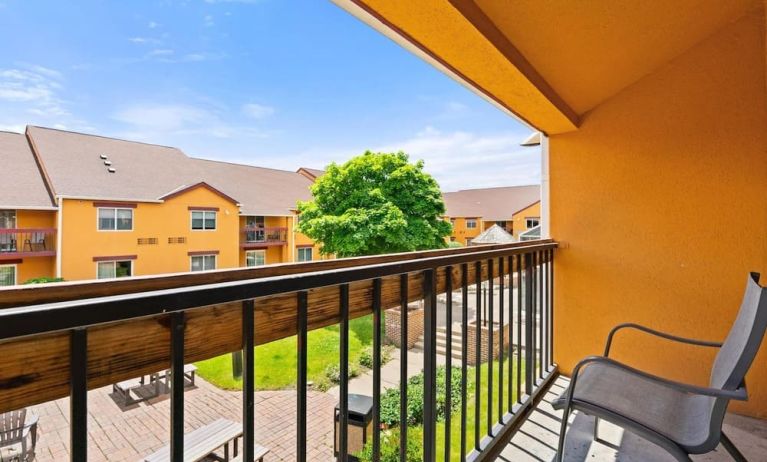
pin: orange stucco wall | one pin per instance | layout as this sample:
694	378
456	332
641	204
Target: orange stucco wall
82	241
461	232
519	222
659	203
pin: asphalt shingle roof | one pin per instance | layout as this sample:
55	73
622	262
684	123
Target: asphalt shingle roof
23	185
491	204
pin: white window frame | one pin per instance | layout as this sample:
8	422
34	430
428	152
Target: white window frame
473	222
203	212
254	252
115	230
15	273
529	219
192	257
114	266
298	252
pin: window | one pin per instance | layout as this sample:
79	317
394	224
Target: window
502	224
452	238
203	220
114	269
203	262
468	241
532	222
305	254
471	223
7	219
255	229
112	219
255	258
8	275
452	222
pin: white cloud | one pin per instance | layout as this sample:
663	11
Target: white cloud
208	21
153	25
457	159
31	93
160	52
174	124
257	111
233	1
143	40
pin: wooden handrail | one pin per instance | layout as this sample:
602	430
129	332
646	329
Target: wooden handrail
35	369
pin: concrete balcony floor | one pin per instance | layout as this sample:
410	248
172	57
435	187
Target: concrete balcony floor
537	438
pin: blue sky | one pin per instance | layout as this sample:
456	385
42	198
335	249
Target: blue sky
275	83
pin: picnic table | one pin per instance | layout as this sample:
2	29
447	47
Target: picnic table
202	443
126	387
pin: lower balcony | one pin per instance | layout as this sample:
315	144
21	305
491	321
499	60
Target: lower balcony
261	237
71	361
27	242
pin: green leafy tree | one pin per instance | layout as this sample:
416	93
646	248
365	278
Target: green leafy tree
375	203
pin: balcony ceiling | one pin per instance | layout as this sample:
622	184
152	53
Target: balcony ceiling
548	62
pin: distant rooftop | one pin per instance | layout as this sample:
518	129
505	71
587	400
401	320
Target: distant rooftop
491	204
493	235
91	166
22	185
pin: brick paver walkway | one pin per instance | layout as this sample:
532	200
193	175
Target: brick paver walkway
126	434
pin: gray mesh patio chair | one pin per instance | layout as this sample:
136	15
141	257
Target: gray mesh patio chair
683	419
17	436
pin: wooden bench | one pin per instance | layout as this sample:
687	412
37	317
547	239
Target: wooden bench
201	443
258	454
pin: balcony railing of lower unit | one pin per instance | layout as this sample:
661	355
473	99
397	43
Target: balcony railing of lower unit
258	237
62	340
27	242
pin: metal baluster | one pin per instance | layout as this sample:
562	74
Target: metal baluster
448	357
541	317
510	352
78	392
551	306
430	366
376	368
403	291
302	377
248	382
343	430
519	328
500	339
177	386
490	349
477	352
464	352
529	319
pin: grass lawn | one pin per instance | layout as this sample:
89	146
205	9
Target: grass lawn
455	424
276	361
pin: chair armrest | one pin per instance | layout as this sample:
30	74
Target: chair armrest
739	394
656	333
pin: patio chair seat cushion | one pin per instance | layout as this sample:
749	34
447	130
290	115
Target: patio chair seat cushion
684	418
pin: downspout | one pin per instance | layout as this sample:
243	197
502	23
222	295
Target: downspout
59	234
545	200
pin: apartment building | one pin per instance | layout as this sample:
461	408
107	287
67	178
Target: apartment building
471	211
84	207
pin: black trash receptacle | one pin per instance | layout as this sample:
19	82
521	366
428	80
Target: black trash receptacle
360	424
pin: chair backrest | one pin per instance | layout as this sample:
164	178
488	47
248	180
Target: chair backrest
742	343
12	426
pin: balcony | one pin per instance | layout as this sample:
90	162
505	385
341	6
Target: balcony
27	242
257	237
85	341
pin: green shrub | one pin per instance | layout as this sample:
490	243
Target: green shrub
454	244
43	280
333	372
366	356
391	397
390	446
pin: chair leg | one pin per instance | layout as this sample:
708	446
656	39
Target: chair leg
562	431
730	447
596	428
